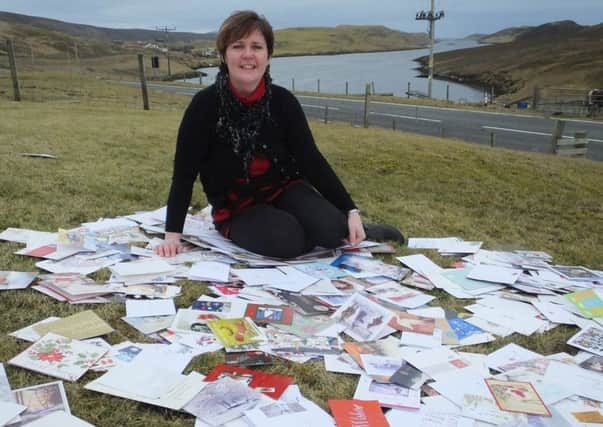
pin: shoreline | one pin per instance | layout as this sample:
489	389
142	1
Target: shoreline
480	83
326	53
345	52
484	81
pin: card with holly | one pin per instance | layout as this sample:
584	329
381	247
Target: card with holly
59	356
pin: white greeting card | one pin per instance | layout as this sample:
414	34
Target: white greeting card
15	279
364	320
59	357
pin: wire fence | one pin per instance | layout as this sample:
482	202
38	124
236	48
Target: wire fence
569	101
71	76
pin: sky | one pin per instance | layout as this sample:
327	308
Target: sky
462	17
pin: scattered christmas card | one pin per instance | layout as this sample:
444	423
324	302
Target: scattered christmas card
59	356
272	385
516	396
589	339
354	413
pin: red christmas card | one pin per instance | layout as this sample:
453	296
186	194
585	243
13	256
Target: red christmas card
272	385
353	413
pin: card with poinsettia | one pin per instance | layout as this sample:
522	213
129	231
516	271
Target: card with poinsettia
59	356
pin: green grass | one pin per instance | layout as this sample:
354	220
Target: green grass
114	158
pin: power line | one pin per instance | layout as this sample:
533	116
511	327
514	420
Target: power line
167	30
431	16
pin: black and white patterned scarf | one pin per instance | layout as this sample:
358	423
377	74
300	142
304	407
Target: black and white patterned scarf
239	125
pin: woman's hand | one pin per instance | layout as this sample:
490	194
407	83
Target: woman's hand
355	228
171	245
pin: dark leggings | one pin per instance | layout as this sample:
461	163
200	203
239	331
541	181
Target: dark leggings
295	222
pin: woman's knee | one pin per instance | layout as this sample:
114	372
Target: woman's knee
331	231
279	235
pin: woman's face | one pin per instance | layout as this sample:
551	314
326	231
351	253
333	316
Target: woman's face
247	60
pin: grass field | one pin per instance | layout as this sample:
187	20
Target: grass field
114	158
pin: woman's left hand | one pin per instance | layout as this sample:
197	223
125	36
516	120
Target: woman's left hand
355	229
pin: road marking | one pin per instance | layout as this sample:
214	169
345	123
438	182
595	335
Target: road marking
405	117
529	132
319	106
465	110
588	122
427	107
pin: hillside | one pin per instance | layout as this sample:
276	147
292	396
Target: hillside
50	36
559	54
43	43
344	38
100	33
504	36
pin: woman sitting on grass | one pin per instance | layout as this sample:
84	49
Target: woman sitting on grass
271	190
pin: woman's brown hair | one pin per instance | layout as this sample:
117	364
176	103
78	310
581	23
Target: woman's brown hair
240	24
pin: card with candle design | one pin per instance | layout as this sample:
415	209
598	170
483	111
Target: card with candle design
59	357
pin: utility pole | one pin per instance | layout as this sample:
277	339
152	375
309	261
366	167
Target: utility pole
430	16
167	30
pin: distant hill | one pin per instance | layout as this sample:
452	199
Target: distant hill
558	54
504	36
50	38
476	36
343	39
100	33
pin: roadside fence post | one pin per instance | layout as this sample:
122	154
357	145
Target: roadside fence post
408	91
318	85
578	147
32	54
373	88
367	90
326	114
447	93
394	125
346	89
416	112
557	134
13	70
535	98
492	139
292	84
143	82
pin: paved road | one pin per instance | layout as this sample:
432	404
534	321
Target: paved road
515	131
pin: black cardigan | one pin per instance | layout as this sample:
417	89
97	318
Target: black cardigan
199	152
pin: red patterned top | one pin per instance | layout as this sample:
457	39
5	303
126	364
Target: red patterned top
258	168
